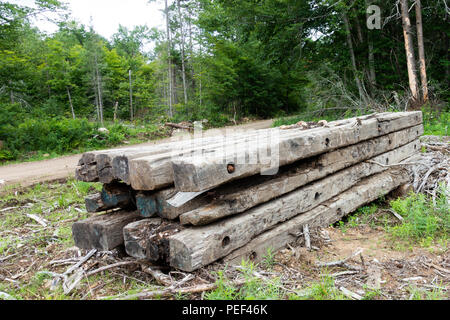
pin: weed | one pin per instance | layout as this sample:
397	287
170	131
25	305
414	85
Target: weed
269	259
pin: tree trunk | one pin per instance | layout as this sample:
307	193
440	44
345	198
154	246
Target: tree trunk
99	91
169	60
183	70
410	60
131	96
70	102
423	72
353	60
115	110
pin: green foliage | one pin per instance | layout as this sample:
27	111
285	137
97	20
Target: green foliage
253	288
324	289
436	122
423	221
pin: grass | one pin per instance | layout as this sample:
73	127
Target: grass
424	221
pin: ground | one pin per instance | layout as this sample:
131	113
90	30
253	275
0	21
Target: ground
36	246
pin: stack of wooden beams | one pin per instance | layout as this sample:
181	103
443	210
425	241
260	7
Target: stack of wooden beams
240	208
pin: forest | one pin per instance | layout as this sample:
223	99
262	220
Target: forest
219	60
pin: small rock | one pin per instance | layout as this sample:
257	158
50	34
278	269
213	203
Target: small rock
46	155
322	123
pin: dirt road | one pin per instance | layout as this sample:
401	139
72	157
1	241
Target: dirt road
29	173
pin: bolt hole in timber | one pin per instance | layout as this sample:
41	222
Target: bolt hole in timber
231	168
327	142
225	241
387	160
316	196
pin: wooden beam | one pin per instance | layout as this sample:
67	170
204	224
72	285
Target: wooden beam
151	203
147	239
198	173
235	198
136	234
193	248
333	210
155	171
102	232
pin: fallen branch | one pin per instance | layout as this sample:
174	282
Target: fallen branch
114	265
341	262
170	292
178	126
395	214
39	220
157	275
307	237
350	294
6	296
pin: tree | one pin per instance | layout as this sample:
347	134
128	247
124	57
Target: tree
423	72
409	48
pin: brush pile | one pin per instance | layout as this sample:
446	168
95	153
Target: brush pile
186	204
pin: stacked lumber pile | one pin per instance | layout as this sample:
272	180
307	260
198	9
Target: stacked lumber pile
186	204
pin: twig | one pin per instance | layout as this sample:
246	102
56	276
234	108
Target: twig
350	294
79	263
437	267
6	296
118	264
39	220
169	292
399	217
339	262
157	275
307	237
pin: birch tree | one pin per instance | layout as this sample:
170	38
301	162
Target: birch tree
409	48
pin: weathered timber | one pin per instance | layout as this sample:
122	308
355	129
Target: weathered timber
150	203
197	173
331	211
94	203
117	195
235	198
112	164
87	173
147	239
135	236
195	247
155	172
102	232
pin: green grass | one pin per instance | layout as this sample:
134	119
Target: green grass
325	289
436	123
423	222
253	288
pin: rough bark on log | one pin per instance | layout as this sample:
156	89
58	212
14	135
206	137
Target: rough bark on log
193	174
103	232
193	248
235	198
329	212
